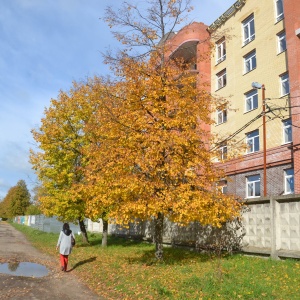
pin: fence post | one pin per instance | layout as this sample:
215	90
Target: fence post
275	221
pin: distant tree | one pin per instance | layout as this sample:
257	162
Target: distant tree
8	200
13	266
20	199
16	201
32	210
4	209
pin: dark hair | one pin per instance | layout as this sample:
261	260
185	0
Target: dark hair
66	226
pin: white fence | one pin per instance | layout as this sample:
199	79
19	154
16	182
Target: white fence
43	223
271	227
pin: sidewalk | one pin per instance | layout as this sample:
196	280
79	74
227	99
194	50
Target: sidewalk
56	285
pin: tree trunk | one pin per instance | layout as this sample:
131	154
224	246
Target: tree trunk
158	235
83	232
104	233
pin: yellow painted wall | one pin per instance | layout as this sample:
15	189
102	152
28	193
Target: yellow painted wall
270	65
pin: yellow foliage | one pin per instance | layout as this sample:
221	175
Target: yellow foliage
152	148
136	146
62	139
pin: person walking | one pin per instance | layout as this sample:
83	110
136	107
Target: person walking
65	245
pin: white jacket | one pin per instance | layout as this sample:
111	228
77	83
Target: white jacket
64	243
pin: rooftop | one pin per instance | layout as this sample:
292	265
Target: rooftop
226	15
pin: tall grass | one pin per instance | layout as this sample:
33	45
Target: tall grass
127	270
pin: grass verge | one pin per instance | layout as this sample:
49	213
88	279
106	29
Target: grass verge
127	270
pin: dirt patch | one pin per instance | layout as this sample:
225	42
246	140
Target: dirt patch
14	248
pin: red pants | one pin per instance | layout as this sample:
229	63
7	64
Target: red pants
64	261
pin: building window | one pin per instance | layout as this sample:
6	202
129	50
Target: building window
223	152
253	186
221	79
279	10
221	116
289	181
285	84
251	100
224	188
252	141
221	50
192	65
248	30
250	61
287	131
281	38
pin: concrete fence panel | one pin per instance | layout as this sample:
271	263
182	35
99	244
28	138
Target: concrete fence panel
271	226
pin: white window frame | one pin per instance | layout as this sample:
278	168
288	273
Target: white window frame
250	62
223	152
252	141
281	42
284	84
253	186
224	188
289	187
251	100
279	10
220	50
221	79
287	131
248	29
221	116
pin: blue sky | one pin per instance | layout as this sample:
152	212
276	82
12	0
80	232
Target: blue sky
44	46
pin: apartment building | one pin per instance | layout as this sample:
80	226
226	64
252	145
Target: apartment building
255	66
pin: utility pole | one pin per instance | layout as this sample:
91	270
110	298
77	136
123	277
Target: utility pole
264	139
257	85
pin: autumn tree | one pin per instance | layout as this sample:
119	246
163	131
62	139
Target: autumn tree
16	201
32	209
59	160
95	187
153	161
20	200
4	209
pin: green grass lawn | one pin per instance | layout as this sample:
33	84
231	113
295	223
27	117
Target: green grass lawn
127	270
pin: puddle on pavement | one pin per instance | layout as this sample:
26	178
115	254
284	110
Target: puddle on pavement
27	269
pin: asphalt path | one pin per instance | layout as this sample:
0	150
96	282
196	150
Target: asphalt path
15	249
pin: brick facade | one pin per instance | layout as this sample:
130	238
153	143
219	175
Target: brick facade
292	23
278	160
192	43
236	184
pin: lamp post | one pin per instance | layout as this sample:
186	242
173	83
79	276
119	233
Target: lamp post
257	85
